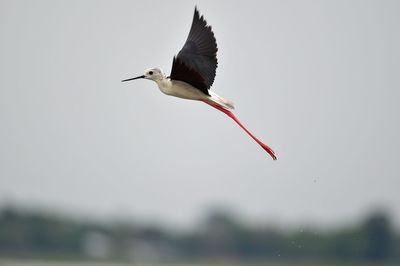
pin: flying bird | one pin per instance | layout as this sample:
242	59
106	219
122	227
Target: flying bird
193	72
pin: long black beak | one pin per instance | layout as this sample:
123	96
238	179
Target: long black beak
140	77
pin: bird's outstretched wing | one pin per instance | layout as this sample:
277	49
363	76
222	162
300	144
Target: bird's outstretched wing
197	61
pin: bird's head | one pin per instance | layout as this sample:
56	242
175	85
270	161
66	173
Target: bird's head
155	74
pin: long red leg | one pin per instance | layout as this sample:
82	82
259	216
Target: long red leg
231	115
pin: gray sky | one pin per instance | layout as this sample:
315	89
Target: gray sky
316	80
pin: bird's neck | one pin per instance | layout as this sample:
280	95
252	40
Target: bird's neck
164	84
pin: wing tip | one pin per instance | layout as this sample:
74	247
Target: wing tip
199	17
196	13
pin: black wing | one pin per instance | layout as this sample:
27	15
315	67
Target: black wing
197	61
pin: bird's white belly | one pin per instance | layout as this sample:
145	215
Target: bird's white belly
181	89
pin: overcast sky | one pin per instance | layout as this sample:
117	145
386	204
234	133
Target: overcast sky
318	81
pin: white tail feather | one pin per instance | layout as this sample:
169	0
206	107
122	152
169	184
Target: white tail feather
221	101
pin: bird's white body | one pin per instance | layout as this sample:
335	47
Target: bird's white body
183	90
180	89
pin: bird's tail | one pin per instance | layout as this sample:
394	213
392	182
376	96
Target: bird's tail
215	98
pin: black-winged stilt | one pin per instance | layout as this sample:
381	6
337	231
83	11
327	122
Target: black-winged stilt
193	73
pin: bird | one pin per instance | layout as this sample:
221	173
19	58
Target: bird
193	73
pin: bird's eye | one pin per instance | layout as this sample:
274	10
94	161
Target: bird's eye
150	72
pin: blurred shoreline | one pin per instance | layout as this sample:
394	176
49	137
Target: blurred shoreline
219	237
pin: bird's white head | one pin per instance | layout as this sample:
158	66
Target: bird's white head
155	74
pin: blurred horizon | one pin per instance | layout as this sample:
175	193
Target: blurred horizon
220	235
123	216
241	217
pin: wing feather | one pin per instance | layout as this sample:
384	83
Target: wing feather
196	62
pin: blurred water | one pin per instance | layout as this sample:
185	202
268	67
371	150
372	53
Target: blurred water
13	262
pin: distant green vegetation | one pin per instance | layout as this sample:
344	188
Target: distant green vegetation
221	238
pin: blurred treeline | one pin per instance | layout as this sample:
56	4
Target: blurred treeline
220	236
